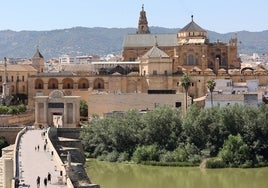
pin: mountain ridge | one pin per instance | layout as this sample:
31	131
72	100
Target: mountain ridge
103	41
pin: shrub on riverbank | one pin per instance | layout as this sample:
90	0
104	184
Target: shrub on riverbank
236	134
174	164
215	163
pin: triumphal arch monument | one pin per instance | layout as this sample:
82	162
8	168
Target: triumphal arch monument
57	110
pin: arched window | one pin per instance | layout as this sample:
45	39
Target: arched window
190	59
53	83
83	83
98	84
39	84
67	83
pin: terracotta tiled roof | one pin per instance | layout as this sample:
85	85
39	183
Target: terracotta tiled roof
77	67
146	40
21	68
192	26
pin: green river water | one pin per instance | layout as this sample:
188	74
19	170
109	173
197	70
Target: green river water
117	175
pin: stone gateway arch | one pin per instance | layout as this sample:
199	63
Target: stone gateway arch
57	110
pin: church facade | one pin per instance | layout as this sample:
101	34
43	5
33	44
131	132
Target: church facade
189	49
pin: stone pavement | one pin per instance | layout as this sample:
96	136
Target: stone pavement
33	163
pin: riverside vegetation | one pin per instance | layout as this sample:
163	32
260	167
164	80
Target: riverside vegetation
230	136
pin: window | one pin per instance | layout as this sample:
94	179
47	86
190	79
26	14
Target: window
40	86
154	72
132	59
196	61
12	79
23	78
165	72
190	59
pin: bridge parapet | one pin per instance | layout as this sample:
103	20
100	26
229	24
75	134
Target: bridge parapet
15	178
69	156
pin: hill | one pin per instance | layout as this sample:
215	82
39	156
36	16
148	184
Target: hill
101	41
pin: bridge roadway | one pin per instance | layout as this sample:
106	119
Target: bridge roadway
33	163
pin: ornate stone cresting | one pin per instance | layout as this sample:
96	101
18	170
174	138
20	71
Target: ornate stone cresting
56	94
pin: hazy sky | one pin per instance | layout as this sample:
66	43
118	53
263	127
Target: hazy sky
216	15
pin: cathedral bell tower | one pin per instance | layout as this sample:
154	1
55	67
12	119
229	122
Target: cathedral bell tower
143	23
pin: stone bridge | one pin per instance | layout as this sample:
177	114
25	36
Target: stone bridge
60	153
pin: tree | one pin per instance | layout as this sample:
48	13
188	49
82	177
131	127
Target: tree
211	86
162	127
185	83
234	152
83	108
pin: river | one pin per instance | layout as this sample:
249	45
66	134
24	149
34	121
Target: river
117	175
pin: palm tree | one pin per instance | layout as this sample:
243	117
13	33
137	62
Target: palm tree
185	83
211	86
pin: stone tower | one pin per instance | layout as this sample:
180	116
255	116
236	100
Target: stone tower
38	61
143	23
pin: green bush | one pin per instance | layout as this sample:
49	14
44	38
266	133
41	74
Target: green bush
180	154
102	157
87	154
12	109
112	157
167	157
234	152
124	156
174	164
3	109
215	163
146	153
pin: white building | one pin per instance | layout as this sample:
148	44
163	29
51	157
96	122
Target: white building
227	92
66	59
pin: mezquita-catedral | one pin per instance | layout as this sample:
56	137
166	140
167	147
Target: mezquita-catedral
149	74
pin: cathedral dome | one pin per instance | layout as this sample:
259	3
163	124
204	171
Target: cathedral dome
192	33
